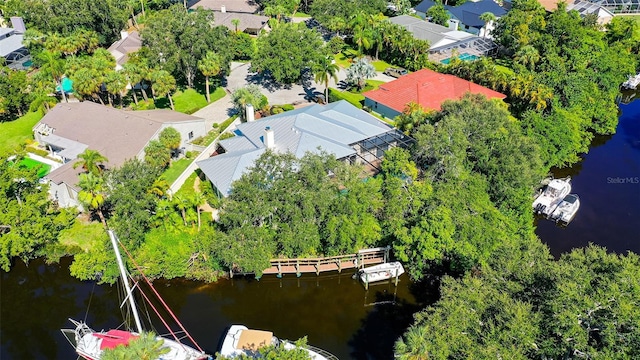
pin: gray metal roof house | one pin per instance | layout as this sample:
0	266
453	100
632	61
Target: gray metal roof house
338	128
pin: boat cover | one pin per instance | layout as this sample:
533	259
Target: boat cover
254	339
114	338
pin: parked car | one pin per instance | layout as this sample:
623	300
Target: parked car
395	72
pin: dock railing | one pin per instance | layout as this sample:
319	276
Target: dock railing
338	263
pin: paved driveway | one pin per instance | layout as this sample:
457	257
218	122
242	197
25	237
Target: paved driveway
277	94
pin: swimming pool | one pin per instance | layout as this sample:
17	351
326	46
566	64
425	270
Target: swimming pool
463	57
27	63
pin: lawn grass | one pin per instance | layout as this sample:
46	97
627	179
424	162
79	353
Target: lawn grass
14	133
176	168
187	189
29	163
218	94
83	235
189	101
381	65
345	58
354	99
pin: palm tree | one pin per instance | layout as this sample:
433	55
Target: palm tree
198	200
359	72
115	83
210	65
324	70
134	77
235	23
86	83
164	83
89	161
92	194
487	17
181	203
528	56
53	65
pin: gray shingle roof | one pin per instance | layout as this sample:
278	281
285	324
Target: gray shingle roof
332	128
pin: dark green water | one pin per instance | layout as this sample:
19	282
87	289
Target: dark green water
608	183
334	311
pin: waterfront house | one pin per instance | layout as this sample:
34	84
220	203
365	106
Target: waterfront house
70	128
339	128
425	87
467	15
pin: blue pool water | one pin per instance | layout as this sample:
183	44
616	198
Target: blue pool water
463	57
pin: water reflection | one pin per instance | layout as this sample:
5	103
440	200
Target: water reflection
608	183
334	311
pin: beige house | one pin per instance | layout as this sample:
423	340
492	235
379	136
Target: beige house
71	128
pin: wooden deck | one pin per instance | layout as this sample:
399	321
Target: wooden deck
334	263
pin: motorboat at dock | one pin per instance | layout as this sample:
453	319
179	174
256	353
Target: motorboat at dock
241	340
566	210
551	197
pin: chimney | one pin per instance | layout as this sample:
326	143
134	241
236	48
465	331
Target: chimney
250	114
123	34
223	9
18	24
269	138
453	24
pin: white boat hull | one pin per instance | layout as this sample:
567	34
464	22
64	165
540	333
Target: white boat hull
381	272
241	340
566	210
551	197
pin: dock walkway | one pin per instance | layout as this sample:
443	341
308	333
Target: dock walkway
299	266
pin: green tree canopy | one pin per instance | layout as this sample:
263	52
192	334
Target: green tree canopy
157	155
287	51
90	161
170	138
249	94
177	40
438	14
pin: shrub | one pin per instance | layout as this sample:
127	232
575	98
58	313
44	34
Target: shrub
287	107
216	125
336	44
33	150
144	105
227	135
276	110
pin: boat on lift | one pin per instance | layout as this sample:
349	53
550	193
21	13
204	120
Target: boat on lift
566	210
551	196
381	272
91	344
242	341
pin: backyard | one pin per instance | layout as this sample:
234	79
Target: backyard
352	95
15	133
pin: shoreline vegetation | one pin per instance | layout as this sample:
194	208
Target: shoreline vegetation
458	204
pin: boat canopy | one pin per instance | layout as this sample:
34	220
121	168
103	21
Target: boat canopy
254	339
571	198
114	338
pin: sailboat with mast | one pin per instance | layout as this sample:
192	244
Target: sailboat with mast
90	344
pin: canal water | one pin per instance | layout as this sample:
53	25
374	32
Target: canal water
607	180
334	311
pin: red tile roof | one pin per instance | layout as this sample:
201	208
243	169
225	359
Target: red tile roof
427	88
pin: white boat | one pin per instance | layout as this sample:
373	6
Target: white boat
241	340
381	272
90	344
551	197
566	210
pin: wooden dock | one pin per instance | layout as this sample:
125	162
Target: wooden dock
299	266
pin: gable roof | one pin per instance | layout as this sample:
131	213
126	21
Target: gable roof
437	35
332	128
234	6
469	12
11	42
117	134
247	21
123	47
427	88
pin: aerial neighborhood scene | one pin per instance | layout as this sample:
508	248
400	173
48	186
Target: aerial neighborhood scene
369	179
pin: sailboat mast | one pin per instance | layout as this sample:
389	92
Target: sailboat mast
125	280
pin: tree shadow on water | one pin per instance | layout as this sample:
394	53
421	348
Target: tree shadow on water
389	319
